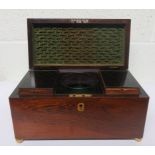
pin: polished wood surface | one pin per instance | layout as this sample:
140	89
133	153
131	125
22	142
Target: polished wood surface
40	111
58	117
25	92
48	79
122	91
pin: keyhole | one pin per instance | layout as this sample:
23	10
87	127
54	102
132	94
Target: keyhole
80	106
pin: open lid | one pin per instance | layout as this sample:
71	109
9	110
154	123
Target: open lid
69	43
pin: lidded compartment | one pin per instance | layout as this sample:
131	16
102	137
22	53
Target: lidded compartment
69	43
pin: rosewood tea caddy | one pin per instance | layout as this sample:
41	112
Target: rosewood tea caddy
78	85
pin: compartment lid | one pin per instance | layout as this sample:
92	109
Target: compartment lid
69	43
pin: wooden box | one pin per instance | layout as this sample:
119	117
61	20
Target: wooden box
78	85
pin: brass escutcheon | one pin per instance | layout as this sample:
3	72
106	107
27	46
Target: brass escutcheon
80	107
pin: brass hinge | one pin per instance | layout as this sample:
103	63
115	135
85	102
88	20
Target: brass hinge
80	95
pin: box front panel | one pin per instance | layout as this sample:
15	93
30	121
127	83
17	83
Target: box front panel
80	118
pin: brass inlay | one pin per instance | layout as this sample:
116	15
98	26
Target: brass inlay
80	95
79	20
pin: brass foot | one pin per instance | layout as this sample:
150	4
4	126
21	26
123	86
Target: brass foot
19	140
138	139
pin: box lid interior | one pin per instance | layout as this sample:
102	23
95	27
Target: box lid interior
67	43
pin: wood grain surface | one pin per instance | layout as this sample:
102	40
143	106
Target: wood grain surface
58	118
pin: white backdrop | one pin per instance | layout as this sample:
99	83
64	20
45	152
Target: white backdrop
14	61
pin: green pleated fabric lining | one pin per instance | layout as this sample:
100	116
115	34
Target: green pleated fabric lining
78	46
